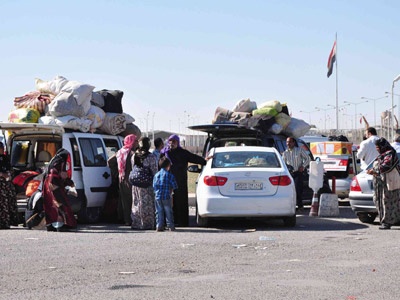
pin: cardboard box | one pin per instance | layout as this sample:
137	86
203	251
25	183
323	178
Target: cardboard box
336	148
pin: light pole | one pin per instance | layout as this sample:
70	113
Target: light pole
147	124
153	126
309	114
355	110
351	119
324	109
392	116
374	99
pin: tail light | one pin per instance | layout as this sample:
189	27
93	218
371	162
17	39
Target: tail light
280	180
68	167
351	171
355	186
343	162
215	180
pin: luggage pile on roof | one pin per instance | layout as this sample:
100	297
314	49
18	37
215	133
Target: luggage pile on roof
75	106
270	117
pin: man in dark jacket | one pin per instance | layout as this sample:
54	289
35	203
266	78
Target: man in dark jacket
180	158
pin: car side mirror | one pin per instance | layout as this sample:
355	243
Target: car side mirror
194	169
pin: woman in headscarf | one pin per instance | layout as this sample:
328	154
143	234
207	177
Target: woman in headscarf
386	201
124	156
57	208
143	205
180	158
8	200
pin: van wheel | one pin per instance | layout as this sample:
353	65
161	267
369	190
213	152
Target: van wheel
289	221
89	215
202	222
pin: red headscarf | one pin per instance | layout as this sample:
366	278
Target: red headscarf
122	154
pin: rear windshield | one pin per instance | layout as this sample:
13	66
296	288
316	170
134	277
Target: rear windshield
246	159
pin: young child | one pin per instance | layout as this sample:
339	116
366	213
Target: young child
164	183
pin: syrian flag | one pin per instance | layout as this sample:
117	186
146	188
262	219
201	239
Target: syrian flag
332	59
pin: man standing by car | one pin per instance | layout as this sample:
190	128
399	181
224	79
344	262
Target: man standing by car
367	151
299	160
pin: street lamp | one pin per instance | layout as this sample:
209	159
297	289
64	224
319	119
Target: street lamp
324	109
309	114
350	117
392	116
374	99
355	110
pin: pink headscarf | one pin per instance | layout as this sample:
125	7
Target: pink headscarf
122	154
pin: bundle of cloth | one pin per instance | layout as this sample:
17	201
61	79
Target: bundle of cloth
72	105
270	117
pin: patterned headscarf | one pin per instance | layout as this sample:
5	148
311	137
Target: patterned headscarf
387	158
383	145
122	154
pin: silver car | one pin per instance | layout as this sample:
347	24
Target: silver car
361	196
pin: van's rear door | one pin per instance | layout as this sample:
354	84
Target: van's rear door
95	172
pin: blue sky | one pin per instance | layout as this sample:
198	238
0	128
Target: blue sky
177	61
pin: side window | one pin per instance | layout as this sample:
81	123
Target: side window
19	153
112	147
303	145
94	154
280	145
75	152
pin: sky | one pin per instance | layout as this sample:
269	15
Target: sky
177	61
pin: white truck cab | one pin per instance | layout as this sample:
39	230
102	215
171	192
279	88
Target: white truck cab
31	146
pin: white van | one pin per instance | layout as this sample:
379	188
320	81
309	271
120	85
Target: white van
31	146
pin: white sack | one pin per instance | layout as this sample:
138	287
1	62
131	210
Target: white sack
82	92
113	123
53	87
297	128
96	115
245	105
97	99
65	104
70	122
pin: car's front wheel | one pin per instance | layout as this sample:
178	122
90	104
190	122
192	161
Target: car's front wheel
366	217
201	221
289	221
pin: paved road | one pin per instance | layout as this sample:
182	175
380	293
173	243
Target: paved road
321	258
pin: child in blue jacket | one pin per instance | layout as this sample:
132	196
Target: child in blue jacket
164	183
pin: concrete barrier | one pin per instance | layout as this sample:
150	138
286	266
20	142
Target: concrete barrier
328	206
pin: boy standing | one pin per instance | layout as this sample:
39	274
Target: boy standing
164	183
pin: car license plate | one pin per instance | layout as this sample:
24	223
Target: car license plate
248	186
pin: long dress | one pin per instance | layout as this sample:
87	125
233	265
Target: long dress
56	204
180	158
143	205
125	194
8	197
387	202
8	204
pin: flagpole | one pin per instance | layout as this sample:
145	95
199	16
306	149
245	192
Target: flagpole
337	98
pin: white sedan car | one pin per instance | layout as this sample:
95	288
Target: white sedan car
245	181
